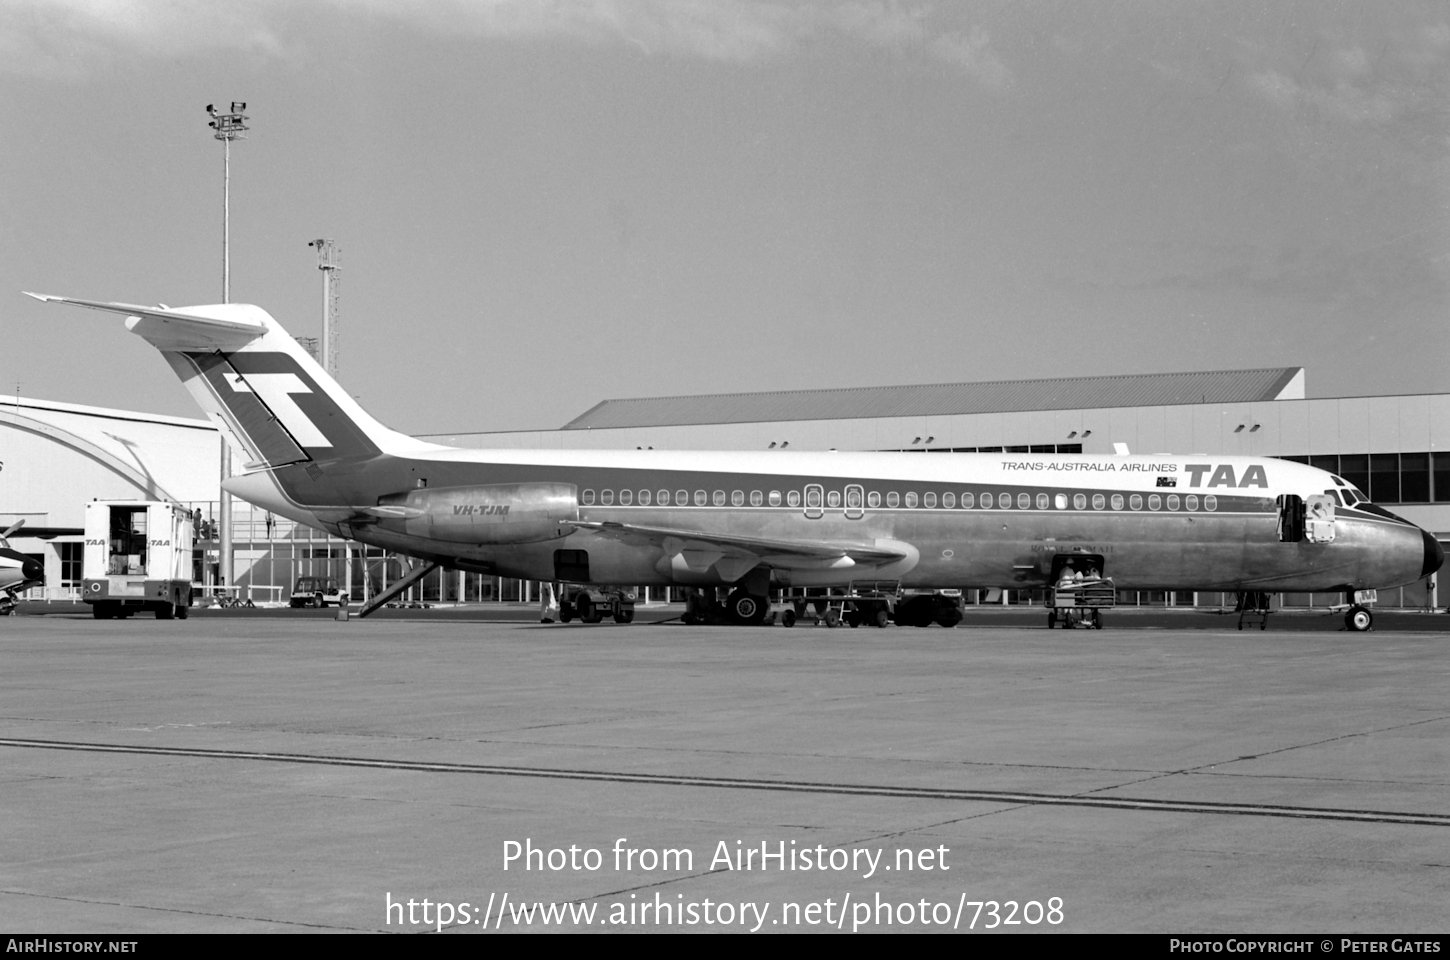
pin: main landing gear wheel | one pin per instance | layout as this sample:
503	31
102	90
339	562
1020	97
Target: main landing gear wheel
747	609
1359	619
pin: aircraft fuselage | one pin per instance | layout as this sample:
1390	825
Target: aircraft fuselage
964	520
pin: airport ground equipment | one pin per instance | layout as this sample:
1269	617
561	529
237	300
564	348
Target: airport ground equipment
1080	603
593	604
394	589
923	608
875	603
138	557
1252	606
317	592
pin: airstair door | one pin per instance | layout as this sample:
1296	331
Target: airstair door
1291	518
1319	518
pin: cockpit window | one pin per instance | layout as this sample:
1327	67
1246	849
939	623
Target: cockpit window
1338	480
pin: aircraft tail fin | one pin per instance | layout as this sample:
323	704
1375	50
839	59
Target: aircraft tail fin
264	391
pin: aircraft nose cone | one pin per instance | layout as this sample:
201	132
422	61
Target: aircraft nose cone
1434	555
32	569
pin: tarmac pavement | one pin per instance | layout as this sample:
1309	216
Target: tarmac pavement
295	773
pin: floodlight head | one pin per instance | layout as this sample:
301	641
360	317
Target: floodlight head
211	109
238	107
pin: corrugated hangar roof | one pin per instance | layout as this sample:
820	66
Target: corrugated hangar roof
944	399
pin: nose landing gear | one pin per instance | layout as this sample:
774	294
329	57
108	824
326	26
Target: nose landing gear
1358	619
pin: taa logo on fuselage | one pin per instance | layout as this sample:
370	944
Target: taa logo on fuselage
1223	476
481	510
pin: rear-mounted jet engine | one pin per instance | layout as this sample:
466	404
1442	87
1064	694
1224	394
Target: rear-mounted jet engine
497	513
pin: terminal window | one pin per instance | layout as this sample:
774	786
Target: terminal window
1421	477
71	555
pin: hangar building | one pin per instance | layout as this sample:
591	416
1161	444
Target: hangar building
1396	448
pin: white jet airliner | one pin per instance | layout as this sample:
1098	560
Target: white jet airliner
749	521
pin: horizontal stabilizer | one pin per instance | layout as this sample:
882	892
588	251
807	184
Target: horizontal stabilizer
196	328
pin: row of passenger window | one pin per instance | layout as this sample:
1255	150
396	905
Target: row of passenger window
816	498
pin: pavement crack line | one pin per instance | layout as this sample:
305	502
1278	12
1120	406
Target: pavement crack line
191	913
1206	768
947	794
717	752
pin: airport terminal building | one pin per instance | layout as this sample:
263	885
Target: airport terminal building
1396	448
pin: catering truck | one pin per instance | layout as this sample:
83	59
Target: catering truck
138	557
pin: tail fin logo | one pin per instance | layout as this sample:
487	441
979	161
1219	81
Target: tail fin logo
276	390
279	407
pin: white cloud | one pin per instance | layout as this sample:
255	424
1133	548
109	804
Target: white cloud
1343	84
736	30
1276	88
63	36
972	53
70	37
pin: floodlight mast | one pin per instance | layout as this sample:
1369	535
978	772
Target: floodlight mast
228	127
328	255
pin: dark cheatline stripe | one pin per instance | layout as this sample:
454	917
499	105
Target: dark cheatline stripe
787	786
272	443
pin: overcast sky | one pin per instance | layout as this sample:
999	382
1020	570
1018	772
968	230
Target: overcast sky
544	204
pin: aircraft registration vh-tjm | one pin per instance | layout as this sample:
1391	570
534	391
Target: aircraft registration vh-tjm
750	521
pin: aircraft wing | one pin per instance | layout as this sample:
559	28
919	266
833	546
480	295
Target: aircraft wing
18	529
743	546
